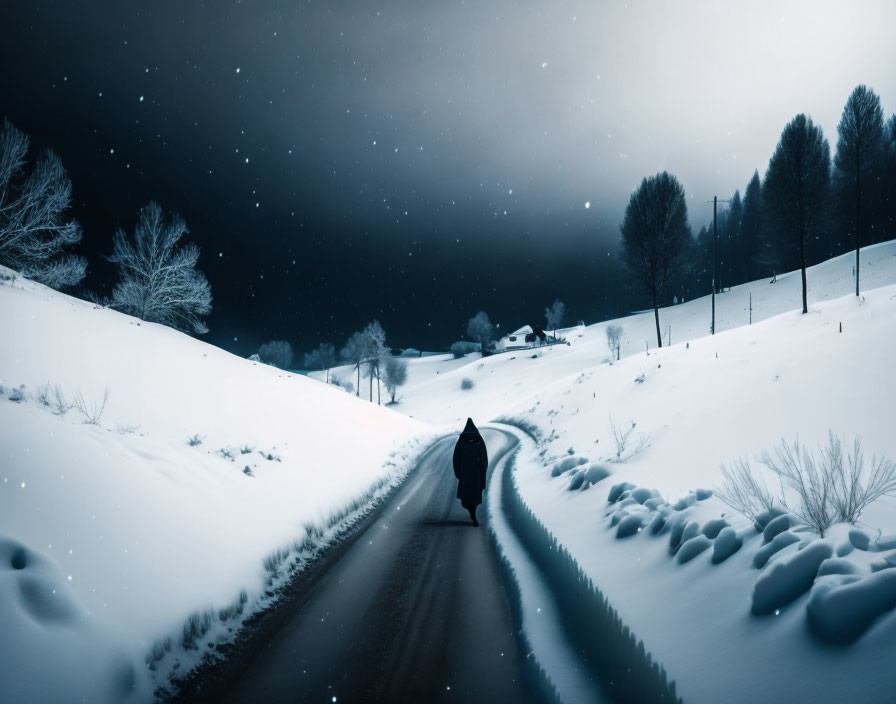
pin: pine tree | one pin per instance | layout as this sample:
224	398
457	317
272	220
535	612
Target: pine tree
758	259
858	167
796	183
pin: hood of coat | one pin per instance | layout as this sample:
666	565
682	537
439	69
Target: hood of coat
471	432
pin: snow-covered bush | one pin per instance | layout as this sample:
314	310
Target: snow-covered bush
614	339
92	411
17	395
195	440
278	353
743	491
463	347
854	489
466	383
627	446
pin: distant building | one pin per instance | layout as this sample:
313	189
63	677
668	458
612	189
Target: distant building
522	339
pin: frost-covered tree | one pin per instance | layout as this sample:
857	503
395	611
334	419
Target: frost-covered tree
375	348
35	232
278	353
858	165
797	181
395	374
355	352
158	278
322	358
614	338
554	315
655	234
480	329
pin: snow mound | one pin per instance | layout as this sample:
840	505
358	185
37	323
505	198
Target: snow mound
727	543
617	490
693	547
837	565
37	605
841	607
790	578
779	542
566	464
778	525
629	525
860	539
711	529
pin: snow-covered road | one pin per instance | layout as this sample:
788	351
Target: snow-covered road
414	610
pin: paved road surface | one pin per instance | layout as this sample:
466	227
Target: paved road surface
413	611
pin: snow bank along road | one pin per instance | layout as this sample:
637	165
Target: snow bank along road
414	610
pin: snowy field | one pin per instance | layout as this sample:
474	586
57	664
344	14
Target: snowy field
112	534
434	393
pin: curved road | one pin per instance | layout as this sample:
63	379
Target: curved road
413	611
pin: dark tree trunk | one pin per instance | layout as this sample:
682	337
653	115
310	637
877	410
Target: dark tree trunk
803	263
858	217
358	388
656	317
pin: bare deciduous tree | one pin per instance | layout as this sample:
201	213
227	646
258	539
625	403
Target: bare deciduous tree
355	352
278	353
395	374
796	182
375	347
158	279
614	338
34	229
655	232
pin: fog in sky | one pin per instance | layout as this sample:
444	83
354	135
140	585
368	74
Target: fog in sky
418	161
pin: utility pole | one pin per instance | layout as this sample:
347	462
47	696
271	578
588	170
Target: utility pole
715	237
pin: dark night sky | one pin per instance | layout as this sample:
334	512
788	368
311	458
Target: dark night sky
416	161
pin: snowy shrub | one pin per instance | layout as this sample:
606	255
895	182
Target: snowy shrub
842	607
466	383
277	353
226	453
17	395
247	470
126	429
92	412
788	579
854	489
627	446
462	348
44	395
246	449
158	651
228	613
195	440
58	403
198	624
744	491
811	478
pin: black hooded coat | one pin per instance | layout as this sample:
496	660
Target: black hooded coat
470	463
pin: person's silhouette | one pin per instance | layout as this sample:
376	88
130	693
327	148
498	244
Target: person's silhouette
470	463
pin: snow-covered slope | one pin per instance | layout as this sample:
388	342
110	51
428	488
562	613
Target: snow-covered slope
698	405
124	523
434	392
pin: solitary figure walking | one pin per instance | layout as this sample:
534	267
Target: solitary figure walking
470	463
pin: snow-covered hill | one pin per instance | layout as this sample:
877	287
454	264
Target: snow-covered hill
434	391
112	534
